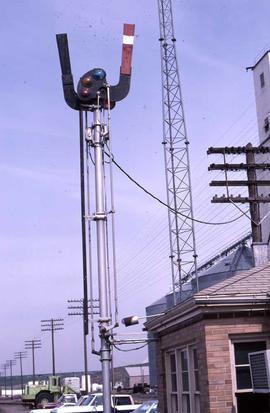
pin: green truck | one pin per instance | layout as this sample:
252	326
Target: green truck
39	394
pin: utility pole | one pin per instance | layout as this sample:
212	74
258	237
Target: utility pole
253	199
78	309
183	255
10	364
33	345
21	355
96	96
52	325
4	366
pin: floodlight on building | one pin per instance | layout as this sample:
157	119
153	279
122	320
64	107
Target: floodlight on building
134	319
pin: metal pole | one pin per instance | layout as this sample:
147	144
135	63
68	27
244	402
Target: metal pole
100	217
5	367
83	224
53	356
21	372
253	193
11	382
33	361
20	355
85	362
84	248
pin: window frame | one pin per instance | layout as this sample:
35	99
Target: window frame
243	338
171	392
262	80
192	394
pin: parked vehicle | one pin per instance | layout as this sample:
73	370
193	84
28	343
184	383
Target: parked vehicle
121	403
150	406
39	394
64	401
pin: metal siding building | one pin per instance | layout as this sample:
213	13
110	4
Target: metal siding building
261	79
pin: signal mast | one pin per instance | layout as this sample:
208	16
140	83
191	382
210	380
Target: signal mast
94	95
176	154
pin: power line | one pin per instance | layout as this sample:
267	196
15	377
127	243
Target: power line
21	355
168	206
52	325
33	345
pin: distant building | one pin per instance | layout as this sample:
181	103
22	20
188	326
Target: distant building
261	78
138	375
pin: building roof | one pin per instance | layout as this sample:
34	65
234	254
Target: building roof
239	260
258	60
246	292
254	283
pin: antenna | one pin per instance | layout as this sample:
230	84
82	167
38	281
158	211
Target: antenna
94	94
183	253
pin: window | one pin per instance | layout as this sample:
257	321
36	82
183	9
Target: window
262	82
196	384
266	125
183	381
241	350
87	400
121	400
173	383
244	398
98	401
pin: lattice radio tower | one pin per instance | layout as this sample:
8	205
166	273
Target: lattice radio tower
177	169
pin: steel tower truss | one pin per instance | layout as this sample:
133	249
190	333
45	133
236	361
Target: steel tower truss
181	228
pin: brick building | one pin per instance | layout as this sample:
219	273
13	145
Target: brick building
203	345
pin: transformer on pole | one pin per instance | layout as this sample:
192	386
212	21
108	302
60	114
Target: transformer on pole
177	168
94	95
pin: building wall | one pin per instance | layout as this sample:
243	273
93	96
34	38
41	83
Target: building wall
218	334
262	94
155	308
193	334
135	380
212	337
264	191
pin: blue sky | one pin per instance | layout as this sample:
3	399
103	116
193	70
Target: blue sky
39	150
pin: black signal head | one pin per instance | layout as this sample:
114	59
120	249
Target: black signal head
90	84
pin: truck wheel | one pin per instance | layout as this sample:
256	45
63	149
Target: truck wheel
43	398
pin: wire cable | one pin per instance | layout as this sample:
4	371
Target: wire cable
131	349
168	206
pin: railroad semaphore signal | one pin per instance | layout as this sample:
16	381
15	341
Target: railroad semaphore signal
94	94
94	82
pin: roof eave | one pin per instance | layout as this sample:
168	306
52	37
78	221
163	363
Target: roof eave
208	300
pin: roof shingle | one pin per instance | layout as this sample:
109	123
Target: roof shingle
254	282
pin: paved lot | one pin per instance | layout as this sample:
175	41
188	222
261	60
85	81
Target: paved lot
13	408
